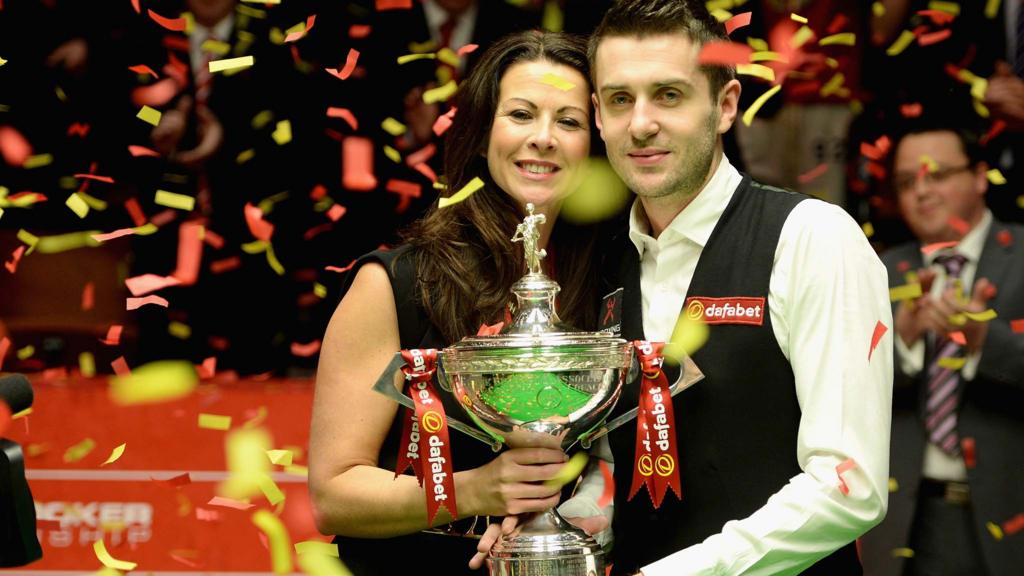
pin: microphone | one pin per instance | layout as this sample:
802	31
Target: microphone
18	542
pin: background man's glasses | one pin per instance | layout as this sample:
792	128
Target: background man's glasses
907	182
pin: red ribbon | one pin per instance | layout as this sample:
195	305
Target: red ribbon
656	462
425	435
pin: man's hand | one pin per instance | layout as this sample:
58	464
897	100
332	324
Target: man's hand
1005	97
211	137
911	318
974	331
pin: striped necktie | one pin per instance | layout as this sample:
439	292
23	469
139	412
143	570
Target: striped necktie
943	396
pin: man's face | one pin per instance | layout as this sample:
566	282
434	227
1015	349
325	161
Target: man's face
656	114
210	12
936	185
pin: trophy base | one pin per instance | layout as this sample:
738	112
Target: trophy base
546	545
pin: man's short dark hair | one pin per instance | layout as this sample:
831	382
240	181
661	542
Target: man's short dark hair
642	18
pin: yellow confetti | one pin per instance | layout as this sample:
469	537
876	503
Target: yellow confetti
273	262
801	37
991	8
64	242
231	64
405	59
995	530
868	228
109	561
984	316
843	38
757	70
246	450
569	471
797	18
878	9
1	212
175	200
280	457
297	470
557	81
475	184
282	133
244	156
316	547
979	108
951	363
441	93
179	330
393	127
322	565
552	20
270	490
149	115
155	382
758	44
688	336
94	203
28	238
87	364
277	536
1020	201
894	486
833	85
2	61
448	56
947	7
721	15
902	553
79	451
905	38
928	162
905	292
392	154
748	116
115	454
995	177
320	290
77	205
214	421
38	161
599	195
26	352
215	47
762	55
262	118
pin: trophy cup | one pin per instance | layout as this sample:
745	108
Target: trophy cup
535	380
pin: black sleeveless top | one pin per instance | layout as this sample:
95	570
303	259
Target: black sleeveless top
408	554
737	429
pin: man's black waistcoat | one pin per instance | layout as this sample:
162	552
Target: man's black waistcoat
737	428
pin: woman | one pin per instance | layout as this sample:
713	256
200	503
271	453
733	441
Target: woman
525	132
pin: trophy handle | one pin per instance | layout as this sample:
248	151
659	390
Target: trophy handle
385	385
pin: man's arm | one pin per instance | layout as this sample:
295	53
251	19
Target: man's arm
828	293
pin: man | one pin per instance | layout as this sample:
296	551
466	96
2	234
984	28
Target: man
793	391
957	425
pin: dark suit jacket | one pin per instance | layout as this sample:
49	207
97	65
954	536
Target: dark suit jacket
992	413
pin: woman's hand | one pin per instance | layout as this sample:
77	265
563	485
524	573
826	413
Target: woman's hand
513	483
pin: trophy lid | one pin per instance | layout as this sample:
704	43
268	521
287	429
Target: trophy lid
536	325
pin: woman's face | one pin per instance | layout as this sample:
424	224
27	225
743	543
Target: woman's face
540	137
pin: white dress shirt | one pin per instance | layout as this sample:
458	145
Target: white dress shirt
937	464
462	34
827	291
220	31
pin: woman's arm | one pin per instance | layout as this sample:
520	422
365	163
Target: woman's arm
351	495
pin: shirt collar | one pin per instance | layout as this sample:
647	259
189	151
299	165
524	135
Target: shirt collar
697	221
436	16
971	245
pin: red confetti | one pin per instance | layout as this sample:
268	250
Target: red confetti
299	34
143	69
208	368
13	146
12	264
1004	238
1017	326
421	155
877	170
336	212
837	24
426	170
345	114
876	336
959	225
174	481
137	151
997	127
1013	525
80	129
157	94
207	515
490	330
113	335
444	122
936	246
813	173
134	303
112	235
737	21
609	485
934	37
843	467
357	163
106	179
407	191
467	49
260	228
939	17
174	24
903	266
88	296
305	350
350	65
5	417
967	448
394	4
5	345
120	366
146	283
912	110
135	5
221	266
318	192
336	269
359	31
213	239
958	337
724	53
229	503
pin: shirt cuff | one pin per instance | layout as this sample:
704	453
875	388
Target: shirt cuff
911	358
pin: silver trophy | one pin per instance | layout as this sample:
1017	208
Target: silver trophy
538	378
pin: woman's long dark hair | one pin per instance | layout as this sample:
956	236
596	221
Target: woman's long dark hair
465	260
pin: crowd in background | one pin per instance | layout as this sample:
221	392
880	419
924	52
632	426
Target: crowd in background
330	143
